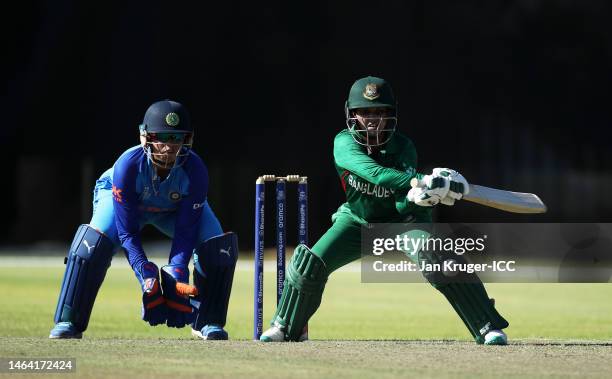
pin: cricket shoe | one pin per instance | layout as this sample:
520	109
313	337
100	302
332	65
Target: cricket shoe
210	333
277	334
496	337
65	330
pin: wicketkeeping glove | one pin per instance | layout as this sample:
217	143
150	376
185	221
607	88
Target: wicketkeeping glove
154	309
175	284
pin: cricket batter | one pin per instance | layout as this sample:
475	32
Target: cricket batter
164	183
375	165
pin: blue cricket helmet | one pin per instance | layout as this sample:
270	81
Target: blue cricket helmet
167	125
166	116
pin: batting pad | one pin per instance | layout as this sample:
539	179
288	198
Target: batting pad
306	278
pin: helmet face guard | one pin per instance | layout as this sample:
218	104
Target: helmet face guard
167	150
371	131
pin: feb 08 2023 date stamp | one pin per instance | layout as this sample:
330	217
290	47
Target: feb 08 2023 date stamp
42	365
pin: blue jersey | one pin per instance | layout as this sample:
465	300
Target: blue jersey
137	190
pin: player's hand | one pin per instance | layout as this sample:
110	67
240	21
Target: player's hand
177	292
444	185
154	309
458	186
429	191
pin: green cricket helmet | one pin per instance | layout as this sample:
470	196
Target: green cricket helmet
375	129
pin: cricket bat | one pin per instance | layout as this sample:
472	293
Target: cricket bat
514	202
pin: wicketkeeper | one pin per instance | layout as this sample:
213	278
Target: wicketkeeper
164	183
375	165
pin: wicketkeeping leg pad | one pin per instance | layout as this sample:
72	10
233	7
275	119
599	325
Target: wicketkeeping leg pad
304	285
88	260
213	274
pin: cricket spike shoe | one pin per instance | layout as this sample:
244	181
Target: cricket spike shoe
210	333
277	334
496	337
273	334
65	330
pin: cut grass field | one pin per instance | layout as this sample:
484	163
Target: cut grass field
361	330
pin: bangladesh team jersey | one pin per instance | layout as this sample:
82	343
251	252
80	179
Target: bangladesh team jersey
376	185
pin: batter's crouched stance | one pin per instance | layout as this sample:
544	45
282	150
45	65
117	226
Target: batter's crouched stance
163	183
375	165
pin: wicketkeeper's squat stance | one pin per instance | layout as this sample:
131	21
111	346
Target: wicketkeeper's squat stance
164	183
375	165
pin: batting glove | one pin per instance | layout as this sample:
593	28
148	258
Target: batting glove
430	191
458	187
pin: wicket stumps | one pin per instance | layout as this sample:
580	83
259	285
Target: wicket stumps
281	206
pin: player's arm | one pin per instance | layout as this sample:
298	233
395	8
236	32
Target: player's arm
125	205
175	276
350	156
189	212
408	155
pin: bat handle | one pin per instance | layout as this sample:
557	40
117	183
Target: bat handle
416	182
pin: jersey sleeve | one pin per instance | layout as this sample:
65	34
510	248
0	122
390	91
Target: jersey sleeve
125	204
189	212
350	156
403	206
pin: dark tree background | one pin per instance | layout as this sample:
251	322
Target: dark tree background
514	94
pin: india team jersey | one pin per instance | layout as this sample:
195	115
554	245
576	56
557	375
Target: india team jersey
137	190
376	185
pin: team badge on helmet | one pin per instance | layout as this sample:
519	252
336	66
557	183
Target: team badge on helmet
371	92
172	119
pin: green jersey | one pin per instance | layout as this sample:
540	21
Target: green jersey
376	185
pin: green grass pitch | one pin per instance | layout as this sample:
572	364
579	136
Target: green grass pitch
365	330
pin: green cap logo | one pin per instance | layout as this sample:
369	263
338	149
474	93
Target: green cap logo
371	92
172	119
